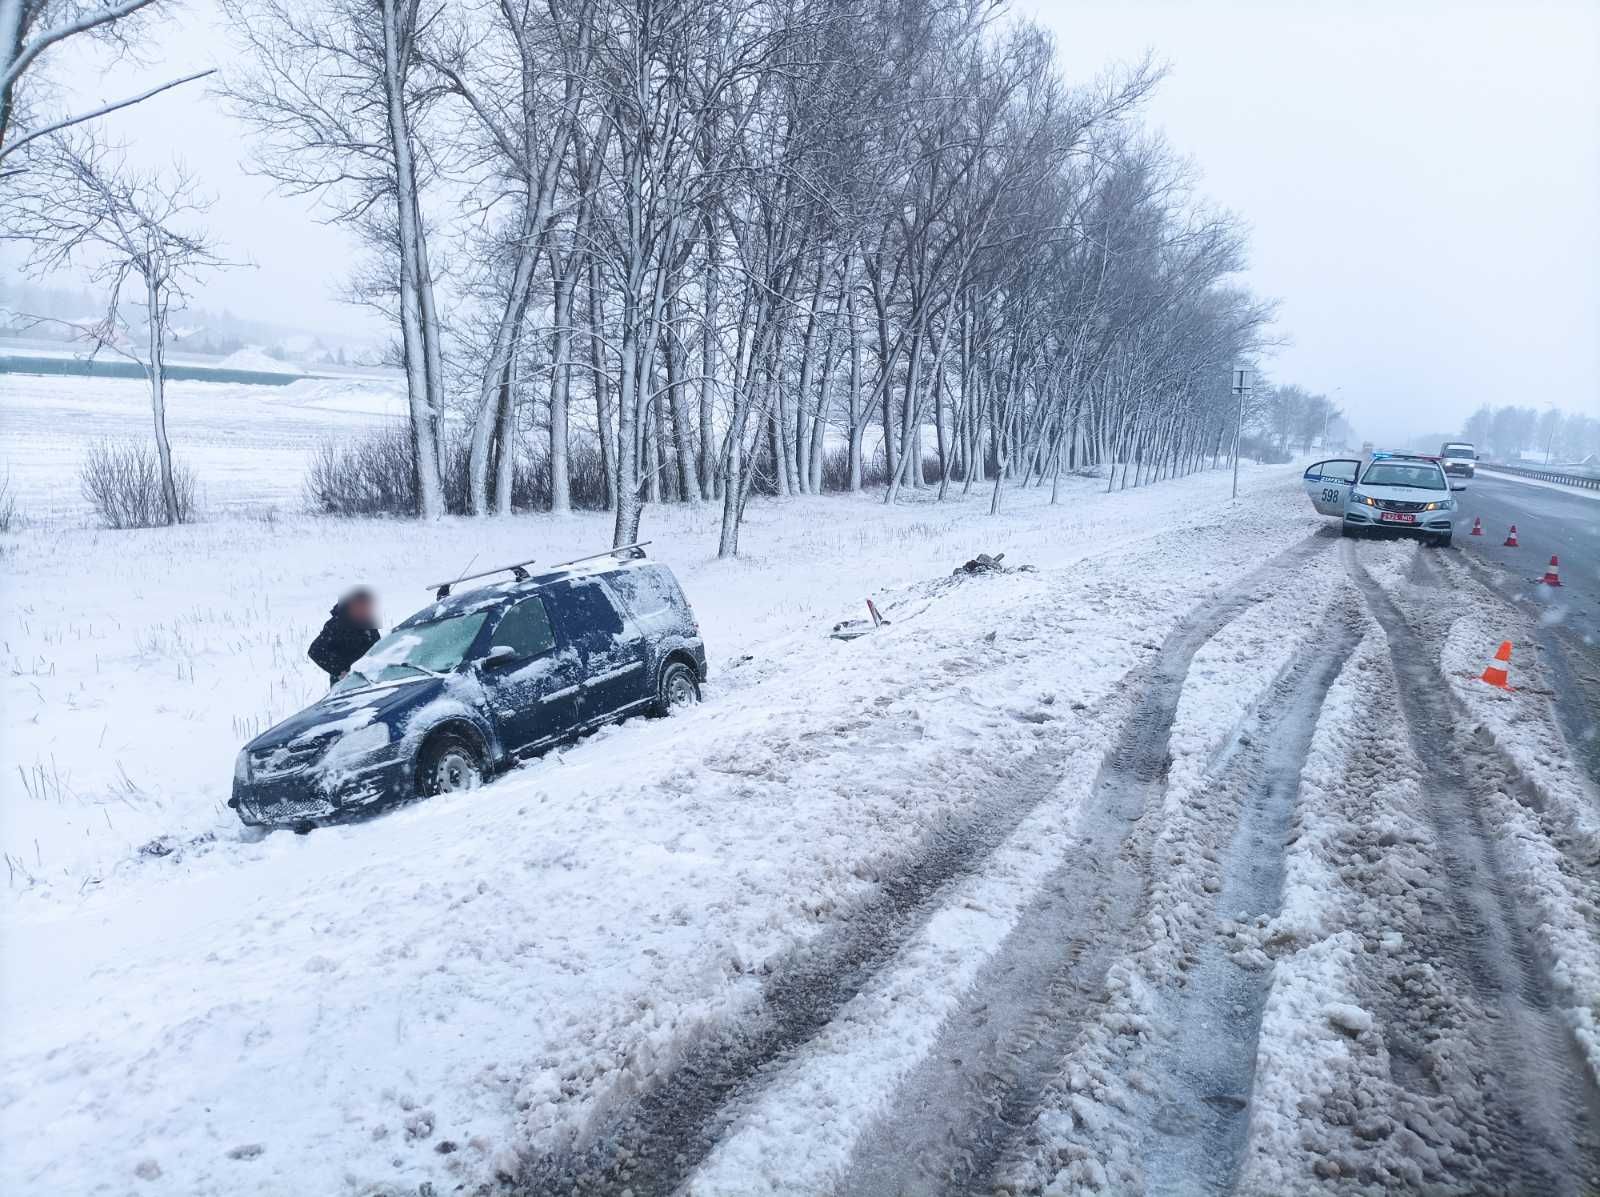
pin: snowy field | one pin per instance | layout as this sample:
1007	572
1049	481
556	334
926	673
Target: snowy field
247	445
1027	886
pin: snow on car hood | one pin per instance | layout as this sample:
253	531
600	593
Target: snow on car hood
349	711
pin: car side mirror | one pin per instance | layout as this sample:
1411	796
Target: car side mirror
499	657
1458	486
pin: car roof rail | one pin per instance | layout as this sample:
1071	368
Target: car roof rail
634	551
518	570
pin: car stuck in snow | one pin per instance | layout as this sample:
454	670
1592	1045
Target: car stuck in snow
1390	492
475	682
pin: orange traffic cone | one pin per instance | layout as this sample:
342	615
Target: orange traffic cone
1552	573
1477	526
1499	671
1511	538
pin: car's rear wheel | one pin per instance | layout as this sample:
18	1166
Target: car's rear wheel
449	763
679	688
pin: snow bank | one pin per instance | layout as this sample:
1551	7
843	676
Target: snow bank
426	996
253	358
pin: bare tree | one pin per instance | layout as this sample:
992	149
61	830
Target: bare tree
29	30
337	97
80	203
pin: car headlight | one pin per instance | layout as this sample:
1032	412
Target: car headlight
241	765
1366	499
353	746
1441	505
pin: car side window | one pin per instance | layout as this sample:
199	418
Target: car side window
1343	471
525	628
593	611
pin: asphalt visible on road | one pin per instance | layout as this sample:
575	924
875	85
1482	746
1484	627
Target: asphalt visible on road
1566	525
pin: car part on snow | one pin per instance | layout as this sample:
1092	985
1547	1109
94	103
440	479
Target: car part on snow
985	564
1552	574
1498	673
1511	538
1477	526
982	564
854	629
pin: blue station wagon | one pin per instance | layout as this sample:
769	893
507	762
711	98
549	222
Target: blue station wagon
475	682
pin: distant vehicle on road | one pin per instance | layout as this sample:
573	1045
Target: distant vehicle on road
1392	492
474	682
1459	458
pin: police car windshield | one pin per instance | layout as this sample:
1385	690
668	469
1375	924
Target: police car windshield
422	650
1396	473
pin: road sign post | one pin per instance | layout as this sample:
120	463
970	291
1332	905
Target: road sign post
1241	387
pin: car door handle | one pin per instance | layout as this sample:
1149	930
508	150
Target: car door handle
562	693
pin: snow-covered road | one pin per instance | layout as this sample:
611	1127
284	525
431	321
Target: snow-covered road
1195	860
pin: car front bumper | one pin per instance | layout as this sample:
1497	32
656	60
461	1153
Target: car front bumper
1429	523
311	797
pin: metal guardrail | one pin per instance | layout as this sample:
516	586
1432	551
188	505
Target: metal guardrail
1546	475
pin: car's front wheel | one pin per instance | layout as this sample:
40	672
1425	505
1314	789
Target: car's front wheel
448	763
679	688
1443	542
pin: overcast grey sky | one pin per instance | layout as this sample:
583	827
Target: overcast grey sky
1421	177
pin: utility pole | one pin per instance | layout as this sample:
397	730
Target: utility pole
1241	388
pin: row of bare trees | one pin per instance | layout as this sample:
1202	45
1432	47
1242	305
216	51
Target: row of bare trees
722	237
718	239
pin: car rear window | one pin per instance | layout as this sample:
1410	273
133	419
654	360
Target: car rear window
652	595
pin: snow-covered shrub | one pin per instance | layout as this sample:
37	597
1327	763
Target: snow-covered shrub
375	476
8	504
370	476
586	476
836	468
121	480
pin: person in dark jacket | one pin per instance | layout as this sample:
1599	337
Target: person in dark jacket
352	628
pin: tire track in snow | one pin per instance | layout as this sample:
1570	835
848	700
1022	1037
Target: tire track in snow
1196	1139
652	1143
655	1140
1542	1111
977	1090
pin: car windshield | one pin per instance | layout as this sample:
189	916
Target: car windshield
1458	450
421	650
1397	473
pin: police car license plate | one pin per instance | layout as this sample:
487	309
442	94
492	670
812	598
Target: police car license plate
1396	517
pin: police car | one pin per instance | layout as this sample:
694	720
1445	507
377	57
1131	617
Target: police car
1408	493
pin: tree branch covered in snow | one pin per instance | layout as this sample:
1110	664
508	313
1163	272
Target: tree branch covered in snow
31	28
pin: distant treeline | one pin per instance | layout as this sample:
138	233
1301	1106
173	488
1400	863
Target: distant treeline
1509	431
